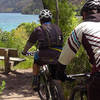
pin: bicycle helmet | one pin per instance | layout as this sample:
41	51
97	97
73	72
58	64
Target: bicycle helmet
45	14
91	5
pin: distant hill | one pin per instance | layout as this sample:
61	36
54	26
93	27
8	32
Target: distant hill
26	6
20	6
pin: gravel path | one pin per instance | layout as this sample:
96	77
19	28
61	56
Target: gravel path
18	86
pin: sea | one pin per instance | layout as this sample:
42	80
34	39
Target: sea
9	21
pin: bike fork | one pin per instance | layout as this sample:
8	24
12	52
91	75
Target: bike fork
48	88
50	97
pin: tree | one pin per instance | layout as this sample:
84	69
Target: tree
67	22
63	13
57	12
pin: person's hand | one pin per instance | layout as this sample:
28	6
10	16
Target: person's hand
24	53
27	53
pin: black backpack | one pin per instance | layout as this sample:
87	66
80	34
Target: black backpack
52	36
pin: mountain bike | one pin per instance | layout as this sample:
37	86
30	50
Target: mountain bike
47	89
79	92
50	89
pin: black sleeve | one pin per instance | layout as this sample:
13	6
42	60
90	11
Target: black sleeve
33	37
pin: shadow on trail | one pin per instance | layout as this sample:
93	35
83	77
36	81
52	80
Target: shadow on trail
17	83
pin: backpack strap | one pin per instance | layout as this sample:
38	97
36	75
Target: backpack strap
47	34
58	34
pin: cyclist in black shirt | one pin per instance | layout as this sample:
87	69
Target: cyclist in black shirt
50	41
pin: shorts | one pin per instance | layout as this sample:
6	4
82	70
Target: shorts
46	56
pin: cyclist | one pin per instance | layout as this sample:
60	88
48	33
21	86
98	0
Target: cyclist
50	40
86	33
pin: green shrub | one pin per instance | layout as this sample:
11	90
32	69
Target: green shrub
2	86
17	39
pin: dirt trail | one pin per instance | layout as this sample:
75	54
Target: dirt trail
18	86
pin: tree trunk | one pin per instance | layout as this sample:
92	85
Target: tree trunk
57	13
57	10
44	5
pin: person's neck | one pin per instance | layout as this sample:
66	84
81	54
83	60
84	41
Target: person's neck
47	23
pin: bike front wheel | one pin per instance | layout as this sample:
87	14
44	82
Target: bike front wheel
43	90
56	89
78	93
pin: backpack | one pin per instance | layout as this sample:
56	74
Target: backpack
52	36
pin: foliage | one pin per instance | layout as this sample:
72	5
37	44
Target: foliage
6	39
67	20
29	27
49	4
2	86
79	7
17	39
26	64
80	63
36	11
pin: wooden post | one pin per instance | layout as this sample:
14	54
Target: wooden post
6	61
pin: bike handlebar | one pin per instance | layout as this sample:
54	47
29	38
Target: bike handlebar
73	77
79	75
29	53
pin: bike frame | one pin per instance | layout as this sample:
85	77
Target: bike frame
44	72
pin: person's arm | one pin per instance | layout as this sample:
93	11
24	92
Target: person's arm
31	41
71	47
27	47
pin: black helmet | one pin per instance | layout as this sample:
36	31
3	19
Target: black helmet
91	5
45	14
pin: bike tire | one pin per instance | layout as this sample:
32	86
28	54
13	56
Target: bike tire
57	91
43	88
78	93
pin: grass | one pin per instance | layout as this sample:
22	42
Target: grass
2	86
23	65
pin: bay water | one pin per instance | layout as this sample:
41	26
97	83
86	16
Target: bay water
9	21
